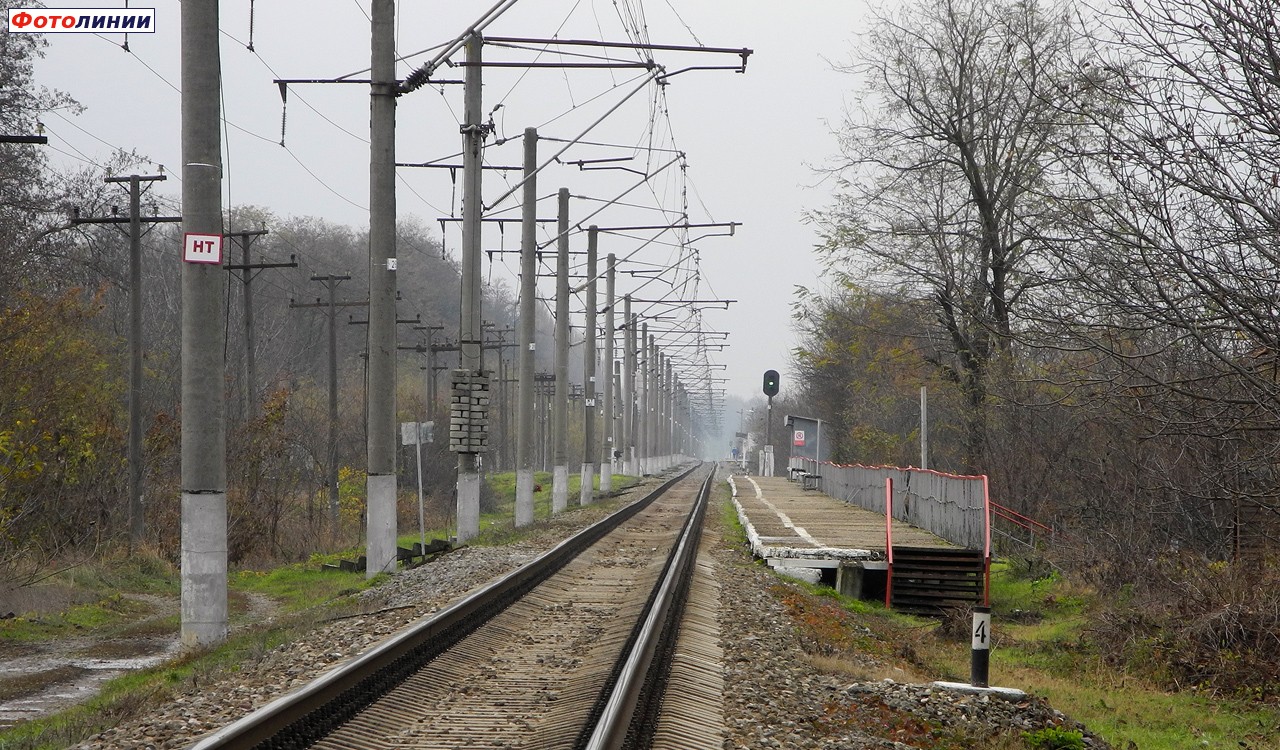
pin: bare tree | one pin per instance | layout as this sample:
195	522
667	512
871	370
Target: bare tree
943	171
1175	256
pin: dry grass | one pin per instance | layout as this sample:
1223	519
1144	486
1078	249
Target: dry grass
861	671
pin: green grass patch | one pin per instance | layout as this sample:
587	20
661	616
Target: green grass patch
302	585
1014	593
1047	654
109	613
1041	646
497	527
1124	712
735	532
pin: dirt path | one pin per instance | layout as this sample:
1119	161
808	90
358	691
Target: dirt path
38	679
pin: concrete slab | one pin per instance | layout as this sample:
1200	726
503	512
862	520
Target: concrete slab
1009	694
801	562
789	525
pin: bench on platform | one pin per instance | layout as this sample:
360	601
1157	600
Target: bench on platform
807	480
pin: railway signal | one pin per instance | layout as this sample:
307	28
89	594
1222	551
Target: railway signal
770	383
770	390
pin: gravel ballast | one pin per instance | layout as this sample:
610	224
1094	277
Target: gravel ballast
775	696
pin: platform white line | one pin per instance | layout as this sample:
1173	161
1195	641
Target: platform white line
786	520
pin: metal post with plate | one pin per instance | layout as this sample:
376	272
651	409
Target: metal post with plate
415	434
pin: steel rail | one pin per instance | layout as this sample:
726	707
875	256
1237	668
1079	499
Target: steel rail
633	699
300	718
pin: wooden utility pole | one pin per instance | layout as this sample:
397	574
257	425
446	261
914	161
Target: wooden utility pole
135	220
331	282
248	267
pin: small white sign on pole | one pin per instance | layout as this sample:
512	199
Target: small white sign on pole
417	433
202	248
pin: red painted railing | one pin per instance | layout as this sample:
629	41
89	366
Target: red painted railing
1018	519
888	540
1031	526
953	506
986	550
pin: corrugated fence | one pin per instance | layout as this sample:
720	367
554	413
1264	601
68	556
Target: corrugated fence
952	506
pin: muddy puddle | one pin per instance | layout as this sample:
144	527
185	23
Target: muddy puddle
53	677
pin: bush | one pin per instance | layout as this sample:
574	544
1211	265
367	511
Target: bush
1199	623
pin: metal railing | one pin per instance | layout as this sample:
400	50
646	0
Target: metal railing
1019	524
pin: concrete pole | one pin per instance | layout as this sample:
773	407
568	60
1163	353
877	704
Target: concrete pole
642	387
525	447
204	445
659	406
617	416
664	427
645	403
426	387
253	409
674	423
691	429
653	398
590	449
682	423
469	346
695	450
677	418
628	407
610	433
380	554
560	431
655	427
669	415
504	411
668	410
544	426
677	424
655	405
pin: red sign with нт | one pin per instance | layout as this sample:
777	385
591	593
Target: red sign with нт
201	248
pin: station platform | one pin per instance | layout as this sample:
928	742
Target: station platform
790	526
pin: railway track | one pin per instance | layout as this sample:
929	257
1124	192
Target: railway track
574	650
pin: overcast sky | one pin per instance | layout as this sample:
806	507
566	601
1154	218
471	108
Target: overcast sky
751	140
